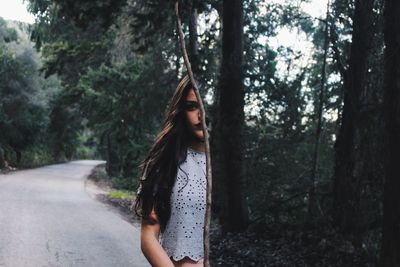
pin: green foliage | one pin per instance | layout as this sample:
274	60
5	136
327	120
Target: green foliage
81	13
124	105
21	118
37	155
86	148
116	100
7	34
24	94
280	130
75	40
124	183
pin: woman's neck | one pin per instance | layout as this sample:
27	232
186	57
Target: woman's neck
199	146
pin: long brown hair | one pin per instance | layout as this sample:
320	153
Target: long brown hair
159	169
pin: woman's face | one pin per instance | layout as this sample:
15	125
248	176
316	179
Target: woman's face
193	115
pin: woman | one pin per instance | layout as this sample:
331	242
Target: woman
172	195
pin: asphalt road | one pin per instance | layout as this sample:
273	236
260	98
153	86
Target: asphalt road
48	218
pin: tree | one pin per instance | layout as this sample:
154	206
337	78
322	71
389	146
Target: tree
233	212
193	35
391	211
79	36
312	202
22	113
351	141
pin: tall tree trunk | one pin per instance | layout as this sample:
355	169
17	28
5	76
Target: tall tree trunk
350	161
193	35
113	165
390	255
233	213
312	202
2	158
18	155
128	164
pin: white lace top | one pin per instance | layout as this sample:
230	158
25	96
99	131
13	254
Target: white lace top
183	234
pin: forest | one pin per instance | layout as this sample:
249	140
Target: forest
305	142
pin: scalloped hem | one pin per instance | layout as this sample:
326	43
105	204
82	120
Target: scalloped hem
181	258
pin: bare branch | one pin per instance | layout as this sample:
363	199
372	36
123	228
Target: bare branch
207	218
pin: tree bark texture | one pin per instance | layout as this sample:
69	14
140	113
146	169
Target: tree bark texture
390	255
312	201
233	213
352	141
193	35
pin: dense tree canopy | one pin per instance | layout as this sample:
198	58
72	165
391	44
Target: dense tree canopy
23	110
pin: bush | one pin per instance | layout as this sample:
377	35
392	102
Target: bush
124	183
36	156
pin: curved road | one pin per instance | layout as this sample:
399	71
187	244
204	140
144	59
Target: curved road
47	218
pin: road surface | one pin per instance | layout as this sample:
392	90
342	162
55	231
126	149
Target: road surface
48	218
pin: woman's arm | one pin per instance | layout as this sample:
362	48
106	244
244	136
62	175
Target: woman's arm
150	245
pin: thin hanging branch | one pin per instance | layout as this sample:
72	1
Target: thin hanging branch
207	217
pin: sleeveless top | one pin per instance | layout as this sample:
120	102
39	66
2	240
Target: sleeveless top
183	234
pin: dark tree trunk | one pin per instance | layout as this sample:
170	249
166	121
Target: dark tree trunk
2	158
390	255
57	151
129	164
312	202
18	155
193	35
233	213
351	144
113	163
343	73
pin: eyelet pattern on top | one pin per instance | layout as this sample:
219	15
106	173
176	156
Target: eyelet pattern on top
183	234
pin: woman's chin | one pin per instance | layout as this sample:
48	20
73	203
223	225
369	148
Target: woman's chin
200	137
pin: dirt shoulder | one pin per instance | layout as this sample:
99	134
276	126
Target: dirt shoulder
99	186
